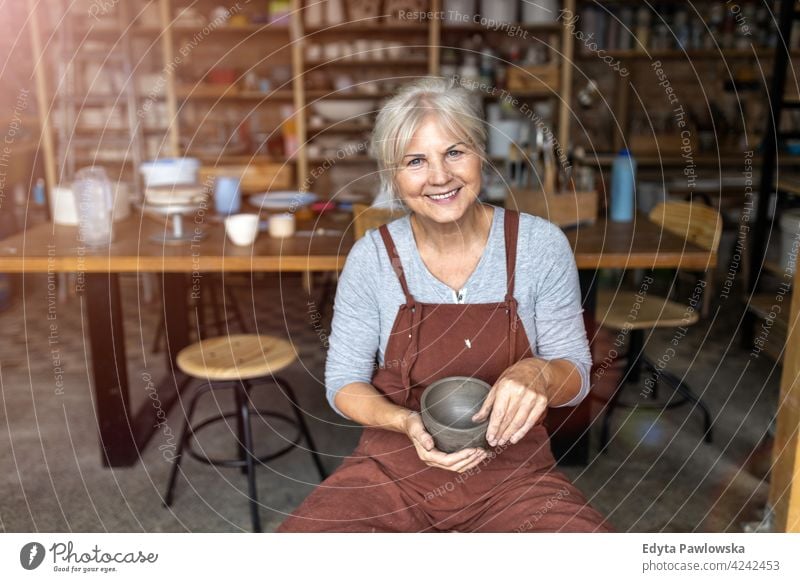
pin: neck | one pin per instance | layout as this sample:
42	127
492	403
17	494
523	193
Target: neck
472	228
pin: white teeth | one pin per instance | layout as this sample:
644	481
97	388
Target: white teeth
449	194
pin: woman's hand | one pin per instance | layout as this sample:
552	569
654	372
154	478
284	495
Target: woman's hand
516	401
460	461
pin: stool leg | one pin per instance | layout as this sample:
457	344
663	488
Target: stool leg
605	423
156	347
684	390
243	407
234	303
219	319
287	390
240	428
185	434
632	371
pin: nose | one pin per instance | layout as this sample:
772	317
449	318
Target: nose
437	173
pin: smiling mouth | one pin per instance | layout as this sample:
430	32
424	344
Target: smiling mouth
444	195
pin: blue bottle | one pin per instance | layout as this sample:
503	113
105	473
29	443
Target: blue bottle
623	187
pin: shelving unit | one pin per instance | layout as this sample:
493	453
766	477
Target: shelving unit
195	111
718	75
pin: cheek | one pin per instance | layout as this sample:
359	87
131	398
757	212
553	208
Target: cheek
469	168
409	183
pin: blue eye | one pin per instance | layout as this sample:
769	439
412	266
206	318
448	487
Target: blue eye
413	163
454	154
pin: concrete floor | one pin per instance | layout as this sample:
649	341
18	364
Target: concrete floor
658	474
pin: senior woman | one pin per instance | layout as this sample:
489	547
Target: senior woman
455	288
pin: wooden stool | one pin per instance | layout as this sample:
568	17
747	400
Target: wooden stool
234	362
615	310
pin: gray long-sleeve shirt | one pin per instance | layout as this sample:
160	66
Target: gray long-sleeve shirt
369	295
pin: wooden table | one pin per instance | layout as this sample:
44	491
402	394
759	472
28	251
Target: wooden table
53	249
123	434
640	244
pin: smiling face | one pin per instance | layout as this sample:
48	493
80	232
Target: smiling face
439	176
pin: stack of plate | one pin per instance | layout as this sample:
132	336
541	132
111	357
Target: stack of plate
178	195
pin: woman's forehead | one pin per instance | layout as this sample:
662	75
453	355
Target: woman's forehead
433	133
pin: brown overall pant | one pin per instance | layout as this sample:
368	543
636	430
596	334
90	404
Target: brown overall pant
384	486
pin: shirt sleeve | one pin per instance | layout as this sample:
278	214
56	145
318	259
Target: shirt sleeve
560	329
355	330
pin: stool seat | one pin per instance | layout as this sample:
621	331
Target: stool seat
628	310
236	357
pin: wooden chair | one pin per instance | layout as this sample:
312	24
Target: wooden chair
698	224
366	217
239	362
635	313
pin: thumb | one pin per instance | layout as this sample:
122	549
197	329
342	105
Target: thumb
483	413
419	434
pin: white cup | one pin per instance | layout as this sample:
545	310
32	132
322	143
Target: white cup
242	229
281	225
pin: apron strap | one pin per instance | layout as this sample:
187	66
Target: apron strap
511	228
394	259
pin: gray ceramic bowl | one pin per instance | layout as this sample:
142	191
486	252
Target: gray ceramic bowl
447	408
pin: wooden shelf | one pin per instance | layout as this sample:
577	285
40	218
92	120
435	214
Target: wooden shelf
344	160
673	54
229	92
773	267
372	29
358	64
606	159
24	121
24	146
472	27
343	127
789	183
317	94
239	159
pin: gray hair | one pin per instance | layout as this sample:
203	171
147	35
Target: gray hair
457	109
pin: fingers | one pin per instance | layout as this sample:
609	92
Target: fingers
496	419
513	423
483	413
533	418
475	462
447	461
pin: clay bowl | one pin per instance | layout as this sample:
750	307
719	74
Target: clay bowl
447	408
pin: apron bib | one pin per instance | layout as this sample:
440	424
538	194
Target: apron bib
430	341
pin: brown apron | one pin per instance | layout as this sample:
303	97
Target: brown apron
384	486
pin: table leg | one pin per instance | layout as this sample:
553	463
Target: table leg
569	427
124	434
176	315
110	370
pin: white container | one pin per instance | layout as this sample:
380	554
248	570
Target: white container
459	12
170	171
502	134
495	11
790	239
242	229
281	225
540	11
63	209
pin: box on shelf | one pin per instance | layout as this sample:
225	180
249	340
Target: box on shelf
533	79
255	177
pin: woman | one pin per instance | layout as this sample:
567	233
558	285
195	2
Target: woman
456	288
